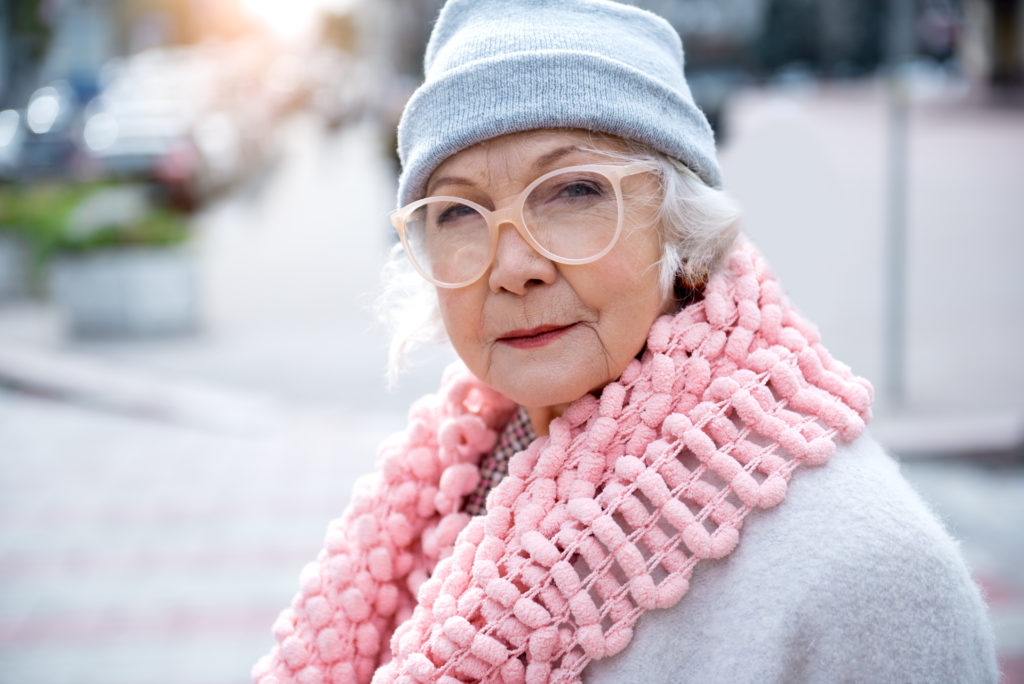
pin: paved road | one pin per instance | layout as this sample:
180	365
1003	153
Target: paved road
139	551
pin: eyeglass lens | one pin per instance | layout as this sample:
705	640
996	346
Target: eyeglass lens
573	215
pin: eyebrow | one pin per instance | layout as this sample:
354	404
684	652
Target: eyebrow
554	155
449	180
541	162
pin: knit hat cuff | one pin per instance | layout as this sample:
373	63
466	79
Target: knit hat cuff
548	89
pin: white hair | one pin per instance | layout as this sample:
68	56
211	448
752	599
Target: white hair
698	225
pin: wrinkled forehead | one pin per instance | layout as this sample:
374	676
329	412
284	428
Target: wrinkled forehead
524	155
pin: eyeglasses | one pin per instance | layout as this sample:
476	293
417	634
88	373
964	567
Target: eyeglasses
571	216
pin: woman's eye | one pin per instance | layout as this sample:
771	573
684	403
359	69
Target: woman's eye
581	189
454	213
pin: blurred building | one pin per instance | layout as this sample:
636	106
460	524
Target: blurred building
993	45
983	38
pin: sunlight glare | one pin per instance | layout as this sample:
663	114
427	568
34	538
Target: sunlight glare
288	20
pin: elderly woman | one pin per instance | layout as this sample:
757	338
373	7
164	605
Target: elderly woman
634	391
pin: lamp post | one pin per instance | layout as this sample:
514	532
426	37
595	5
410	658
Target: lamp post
899	51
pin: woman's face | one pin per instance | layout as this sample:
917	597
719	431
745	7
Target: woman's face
544	333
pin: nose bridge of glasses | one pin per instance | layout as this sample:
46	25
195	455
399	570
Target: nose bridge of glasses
510	215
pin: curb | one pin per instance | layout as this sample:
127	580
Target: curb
110	387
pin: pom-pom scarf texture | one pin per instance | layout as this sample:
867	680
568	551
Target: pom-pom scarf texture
595	524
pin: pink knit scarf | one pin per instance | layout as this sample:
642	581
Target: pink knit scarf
594	525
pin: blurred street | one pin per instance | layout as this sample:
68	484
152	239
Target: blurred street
159	497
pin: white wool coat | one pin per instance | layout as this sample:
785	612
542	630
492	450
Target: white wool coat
851	579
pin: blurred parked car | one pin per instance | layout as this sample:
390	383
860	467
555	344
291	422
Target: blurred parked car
192	118
152	121
12	138
43	139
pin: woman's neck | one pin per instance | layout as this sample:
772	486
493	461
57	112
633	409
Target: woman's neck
541	417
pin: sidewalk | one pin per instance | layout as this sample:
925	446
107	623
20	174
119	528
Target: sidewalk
136	551
160	497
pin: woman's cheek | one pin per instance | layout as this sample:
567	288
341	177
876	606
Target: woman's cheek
462	316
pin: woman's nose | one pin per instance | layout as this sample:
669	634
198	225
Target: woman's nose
517	264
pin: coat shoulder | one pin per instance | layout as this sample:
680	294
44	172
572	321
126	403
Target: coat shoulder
851	578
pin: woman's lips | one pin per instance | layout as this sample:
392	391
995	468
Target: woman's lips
534	337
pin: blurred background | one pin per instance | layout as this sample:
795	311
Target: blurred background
193	214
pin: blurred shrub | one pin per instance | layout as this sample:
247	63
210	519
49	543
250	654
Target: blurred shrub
158	227
74	218
122	215
36	214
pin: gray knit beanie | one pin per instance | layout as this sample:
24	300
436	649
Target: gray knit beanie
503	66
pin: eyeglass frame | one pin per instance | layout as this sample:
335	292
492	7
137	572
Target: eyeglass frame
495	218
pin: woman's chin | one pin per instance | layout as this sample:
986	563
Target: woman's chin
553	375
542	386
